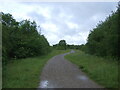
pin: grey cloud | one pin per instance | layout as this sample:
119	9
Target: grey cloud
36	16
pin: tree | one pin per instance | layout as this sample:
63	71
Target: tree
62	44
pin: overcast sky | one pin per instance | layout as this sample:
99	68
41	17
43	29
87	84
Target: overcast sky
69	21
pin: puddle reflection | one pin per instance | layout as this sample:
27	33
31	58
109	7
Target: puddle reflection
44	84
83	77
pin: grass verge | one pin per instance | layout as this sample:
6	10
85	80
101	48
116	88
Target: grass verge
104	72
25	73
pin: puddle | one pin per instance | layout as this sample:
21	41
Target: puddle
44	84
83	77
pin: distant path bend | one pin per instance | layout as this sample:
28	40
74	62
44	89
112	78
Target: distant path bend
60	73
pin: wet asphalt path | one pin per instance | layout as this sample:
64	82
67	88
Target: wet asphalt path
60	73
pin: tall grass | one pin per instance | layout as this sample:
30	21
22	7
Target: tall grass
25	73
104	72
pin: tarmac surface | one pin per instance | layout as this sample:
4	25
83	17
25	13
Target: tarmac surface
61	73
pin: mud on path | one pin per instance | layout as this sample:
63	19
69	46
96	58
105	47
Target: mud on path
60	73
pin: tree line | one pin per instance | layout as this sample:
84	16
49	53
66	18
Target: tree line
104	39
62	45
21	39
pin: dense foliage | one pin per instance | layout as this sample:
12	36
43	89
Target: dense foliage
21	39
103	40
62	45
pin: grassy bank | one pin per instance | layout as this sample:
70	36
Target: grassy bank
25	73
104	72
